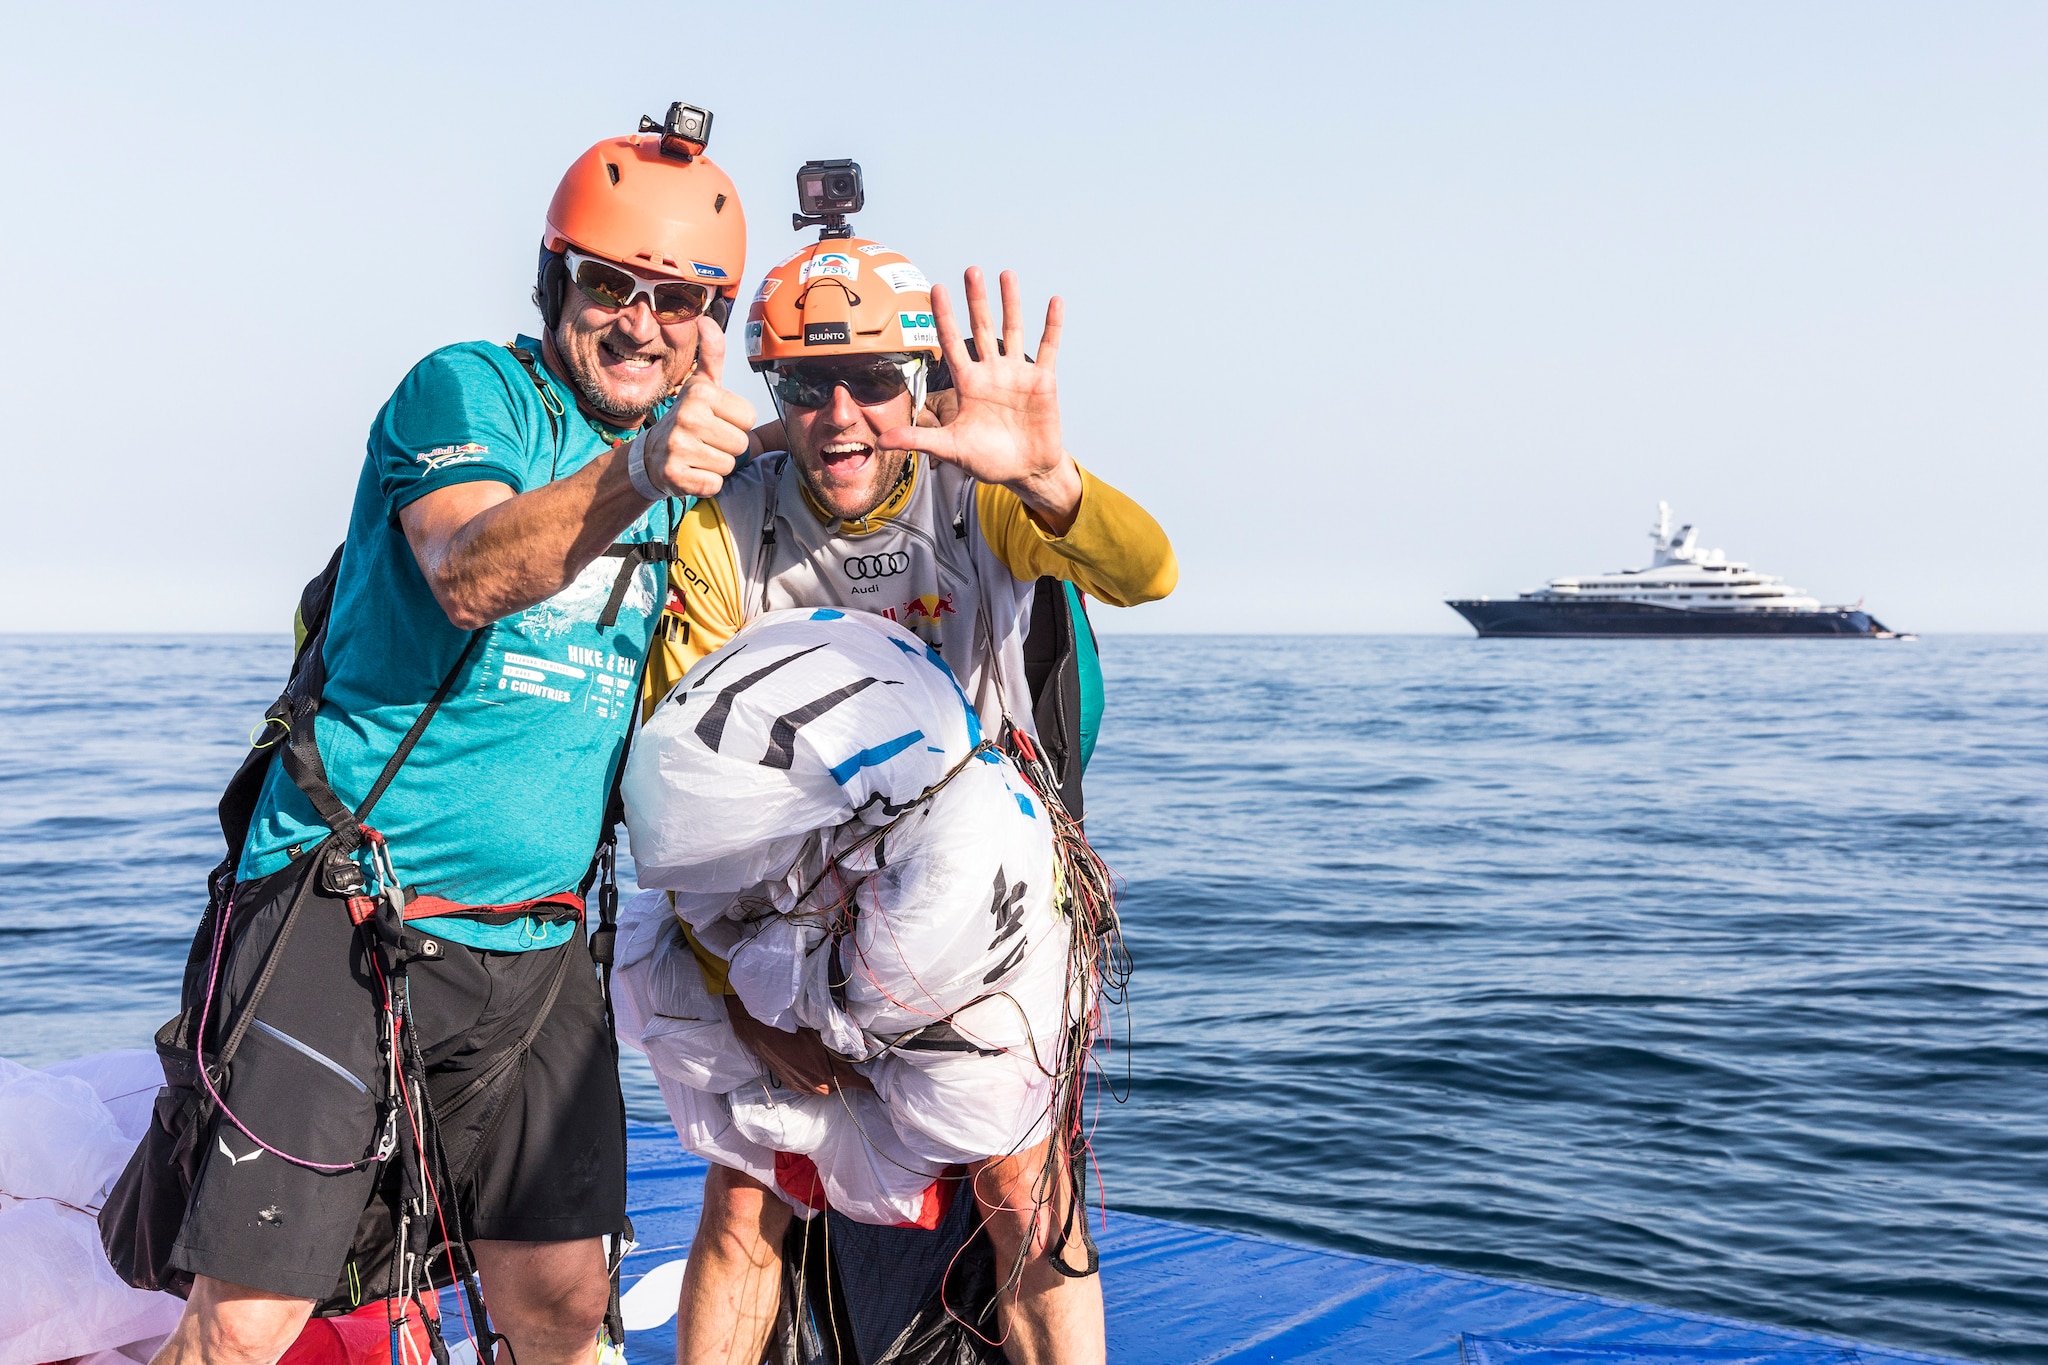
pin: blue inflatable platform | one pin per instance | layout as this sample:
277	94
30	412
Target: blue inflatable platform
1181	1295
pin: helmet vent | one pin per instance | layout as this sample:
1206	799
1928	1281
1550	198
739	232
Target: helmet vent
611	168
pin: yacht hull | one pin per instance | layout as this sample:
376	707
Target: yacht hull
1512	618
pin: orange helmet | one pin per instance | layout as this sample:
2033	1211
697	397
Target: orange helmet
628	202
841	296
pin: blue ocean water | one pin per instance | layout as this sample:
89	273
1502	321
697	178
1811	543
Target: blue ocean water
1703	973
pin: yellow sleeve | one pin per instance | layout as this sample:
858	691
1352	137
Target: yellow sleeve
703	610
1114	550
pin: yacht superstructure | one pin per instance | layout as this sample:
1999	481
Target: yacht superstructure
1684	590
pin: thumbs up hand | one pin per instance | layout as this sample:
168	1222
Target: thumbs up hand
698	441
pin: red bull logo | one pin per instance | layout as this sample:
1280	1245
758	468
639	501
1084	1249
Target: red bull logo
928	608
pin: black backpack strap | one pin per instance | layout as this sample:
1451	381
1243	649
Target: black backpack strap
634	553
1052	672
303	764
771	494
419	725
316	600
308	675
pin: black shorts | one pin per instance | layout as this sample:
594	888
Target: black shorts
540	1155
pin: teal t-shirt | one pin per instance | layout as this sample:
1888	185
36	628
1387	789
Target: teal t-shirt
502	799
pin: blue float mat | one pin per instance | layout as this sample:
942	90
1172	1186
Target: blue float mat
1181	1295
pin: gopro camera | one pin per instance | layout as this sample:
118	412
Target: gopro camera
829	188
684	133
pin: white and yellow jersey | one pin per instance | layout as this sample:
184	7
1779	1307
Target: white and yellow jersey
953	560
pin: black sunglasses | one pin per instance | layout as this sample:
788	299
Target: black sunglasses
868	379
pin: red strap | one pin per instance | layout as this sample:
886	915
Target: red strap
427	907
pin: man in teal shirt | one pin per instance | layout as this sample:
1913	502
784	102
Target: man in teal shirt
496	549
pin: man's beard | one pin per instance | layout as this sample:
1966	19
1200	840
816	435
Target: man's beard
592	395
886	482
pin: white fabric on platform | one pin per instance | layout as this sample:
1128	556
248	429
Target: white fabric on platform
64	1139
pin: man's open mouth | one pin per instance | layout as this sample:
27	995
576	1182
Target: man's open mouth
845	456
632	361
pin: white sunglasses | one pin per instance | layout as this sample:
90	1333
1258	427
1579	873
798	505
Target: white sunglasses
611	285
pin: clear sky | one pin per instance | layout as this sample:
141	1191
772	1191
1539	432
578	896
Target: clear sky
1371	304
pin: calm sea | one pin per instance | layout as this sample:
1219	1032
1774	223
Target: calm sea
1703	973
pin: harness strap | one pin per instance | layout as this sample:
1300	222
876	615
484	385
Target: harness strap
552	404
303	764
771	495
634	553
418	728
308	772
423	906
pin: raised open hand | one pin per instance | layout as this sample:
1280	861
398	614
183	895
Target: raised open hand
1006	428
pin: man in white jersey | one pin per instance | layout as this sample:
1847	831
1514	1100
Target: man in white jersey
946	530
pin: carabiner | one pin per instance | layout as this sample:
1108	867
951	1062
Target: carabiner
387	1143
387	876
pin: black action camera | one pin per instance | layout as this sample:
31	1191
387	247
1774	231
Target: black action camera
829	187
826	191
684	133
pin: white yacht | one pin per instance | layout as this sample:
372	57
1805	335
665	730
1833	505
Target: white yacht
1685	590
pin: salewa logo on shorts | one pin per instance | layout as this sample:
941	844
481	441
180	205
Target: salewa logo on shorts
443	456
825	334
229	1152
875	566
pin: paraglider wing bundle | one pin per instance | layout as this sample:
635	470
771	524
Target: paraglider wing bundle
824	818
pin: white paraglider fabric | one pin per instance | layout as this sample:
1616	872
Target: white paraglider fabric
782	799
65	1134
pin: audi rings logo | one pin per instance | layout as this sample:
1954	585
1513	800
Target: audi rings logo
876	566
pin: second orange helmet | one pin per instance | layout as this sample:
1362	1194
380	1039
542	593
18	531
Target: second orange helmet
841	296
